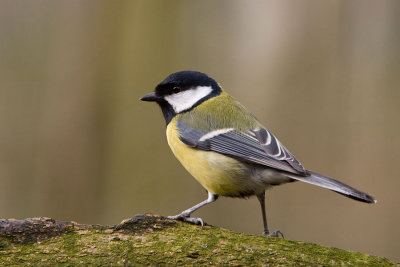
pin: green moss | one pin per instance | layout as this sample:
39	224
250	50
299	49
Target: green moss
4	243
177	244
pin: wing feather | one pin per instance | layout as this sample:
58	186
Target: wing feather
259	147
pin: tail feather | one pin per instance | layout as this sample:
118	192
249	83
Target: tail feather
334	185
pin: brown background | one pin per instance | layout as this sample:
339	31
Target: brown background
324	76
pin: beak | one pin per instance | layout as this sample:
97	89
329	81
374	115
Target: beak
150	97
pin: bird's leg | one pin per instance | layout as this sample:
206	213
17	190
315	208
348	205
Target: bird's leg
185	215
261	198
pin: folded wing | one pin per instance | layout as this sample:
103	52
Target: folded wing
254	146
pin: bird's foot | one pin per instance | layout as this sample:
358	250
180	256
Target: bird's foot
273	234
186	218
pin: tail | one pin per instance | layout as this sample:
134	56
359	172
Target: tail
334	185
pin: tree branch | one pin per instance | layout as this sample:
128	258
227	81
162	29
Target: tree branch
154	240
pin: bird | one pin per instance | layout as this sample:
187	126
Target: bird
225	148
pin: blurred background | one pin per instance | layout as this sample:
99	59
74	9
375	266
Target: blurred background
77	144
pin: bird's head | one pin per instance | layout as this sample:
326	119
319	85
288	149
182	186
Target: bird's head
182	91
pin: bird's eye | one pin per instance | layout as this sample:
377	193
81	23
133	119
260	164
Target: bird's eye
176	89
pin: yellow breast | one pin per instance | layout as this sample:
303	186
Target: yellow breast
217	173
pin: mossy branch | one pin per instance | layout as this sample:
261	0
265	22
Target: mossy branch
154	240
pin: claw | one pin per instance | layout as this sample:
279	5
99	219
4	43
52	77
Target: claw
176	217
198	221
274	234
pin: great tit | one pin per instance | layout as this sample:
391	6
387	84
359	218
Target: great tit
224	147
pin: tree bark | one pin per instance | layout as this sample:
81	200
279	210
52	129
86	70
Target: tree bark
153	240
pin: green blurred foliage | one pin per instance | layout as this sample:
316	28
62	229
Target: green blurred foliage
77	144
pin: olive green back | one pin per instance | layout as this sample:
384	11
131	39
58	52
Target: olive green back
220	112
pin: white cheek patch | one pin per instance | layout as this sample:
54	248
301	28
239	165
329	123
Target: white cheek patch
186	99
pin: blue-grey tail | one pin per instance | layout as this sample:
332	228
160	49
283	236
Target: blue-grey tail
334	185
